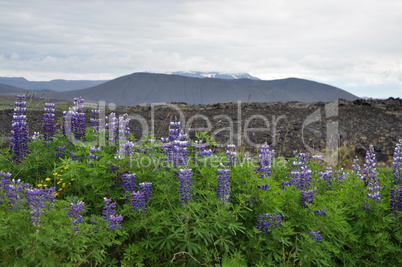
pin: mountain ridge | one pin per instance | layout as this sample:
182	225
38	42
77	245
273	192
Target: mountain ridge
146	88
58	85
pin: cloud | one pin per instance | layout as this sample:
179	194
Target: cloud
342	42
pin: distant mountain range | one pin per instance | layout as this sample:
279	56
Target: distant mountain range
9	89
147	88
53	85
187	87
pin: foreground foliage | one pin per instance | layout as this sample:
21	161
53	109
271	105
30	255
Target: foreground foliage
175	203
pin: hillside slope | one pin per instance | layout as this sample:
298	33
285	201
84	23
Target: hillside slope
140	88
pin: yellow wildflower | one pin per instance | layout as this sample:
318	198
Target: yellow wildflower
55	174
56	194
63	185
60	189
39	185
47	179
45	185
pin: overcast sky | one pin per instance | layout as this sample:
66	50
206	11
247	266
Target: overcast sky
355	45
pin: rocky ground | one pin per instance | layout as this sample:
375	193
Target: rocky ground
350	126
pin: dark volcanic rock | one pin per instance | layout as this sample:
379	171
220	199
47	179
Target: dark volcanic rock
285	126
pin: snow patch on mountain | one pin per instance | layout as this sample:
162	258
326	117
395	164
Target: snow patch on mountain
218	75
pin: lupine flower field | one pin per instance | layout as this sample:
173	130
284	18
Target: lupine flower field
67	199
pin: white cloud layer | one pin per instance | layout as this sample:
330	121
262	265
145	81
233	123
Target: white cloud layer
354	45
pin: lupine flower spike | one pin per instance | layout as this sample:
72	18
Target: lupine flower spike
307	197
316	236
186	181
223	189
370	175
231	154
396	201
266	222
48	122
19	133
138	201
75	214
397	163
109	214
265	160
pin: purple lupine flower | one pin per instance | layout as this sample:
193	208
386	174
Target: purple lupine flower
129	182
96	121
341	175
146	189
48	122
180	154
320	212
186	182
5	175
19	133
76	217
231	155
74	120
223	188
174	130
301	177
5	181
108	208
148	149
370	175
79	129
13	191
114	222
265	160
200	150
109	214
166	148
138	201
286	184
175	146
60	152
397	163
124	129
307	197
328	176
34	136
316	236
112	126
92	157
125	148
37	200
266	222
396	200
357	169
49	196
263	187
303	159
316	157
74	156
15	194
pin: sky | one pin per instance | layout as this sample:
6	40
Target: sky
354	45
